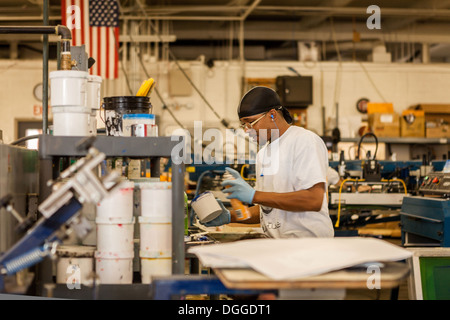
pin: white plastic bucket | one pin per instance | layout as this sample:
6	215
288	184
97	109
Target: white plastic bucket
74	264
206	207
93	99
114	267
155	267
118	203
115	235
155	237
68	87
71	121
129	120
156	199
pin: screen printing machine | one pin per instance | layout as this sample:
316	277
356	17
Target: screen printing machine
415	195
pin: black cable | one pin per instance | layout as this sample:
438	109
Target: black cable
23	139
165	107
223	122
376	145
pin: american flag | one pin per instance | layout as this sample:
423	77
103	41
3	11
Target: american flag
95	23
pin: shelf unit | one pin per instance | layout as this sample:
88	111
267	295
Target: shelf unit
408	148
403	140
53	148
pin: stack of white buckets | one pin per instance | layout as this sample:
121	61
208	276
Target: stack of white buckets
115	233
155	228
75	100
115	236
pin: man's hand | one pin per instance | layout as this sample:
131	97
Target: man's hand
239	188
223	218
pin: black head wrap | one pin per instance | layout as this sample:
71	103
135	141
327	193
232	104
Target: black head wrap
259	100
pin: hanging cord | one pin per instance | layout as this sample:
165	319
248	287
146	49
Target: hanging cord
157	92
155	89
122	66
376	144
23	139
371	81
222	121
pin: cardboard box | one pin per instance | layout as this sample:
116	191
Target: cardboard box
437	119
432	108
442	131
384	124
412	123
439	113
379	107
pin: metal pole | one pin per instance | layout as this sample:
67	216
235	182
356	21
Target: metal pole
44	269
178	218
31	29
45	73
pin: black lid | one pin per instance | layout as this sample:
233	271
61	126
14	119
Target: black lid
126	102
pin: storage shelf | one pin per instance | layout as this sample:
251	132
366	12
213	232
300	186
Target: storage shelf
401	140
52	147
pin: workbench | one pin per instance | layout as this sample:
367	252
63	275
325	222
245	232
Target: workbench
392	274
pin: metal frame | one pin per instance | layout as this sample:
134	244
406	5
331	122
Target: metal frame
52	148
161	288
415	290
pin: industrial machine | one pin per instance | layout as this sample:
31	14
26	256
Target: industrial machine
425	218
374	191
76	185
364	187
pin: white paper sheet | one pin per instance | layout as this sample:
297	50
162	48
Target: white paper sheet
283	259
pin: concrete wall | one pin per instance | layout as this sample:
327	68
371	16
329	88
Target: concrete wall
221	85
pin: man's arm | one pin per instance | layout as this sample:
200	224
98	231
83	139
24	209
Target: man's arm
303	200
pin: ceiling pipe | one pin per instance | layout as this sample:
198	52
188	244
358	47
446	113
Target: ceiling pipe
298	10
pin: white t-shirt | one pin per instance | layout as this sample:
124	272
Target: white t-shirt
295	161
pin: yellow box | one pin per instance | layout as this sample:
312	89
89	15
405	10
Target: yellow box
412	123
384	124
379	107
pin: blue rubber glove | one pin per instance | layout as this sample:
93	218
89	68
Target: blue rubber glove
223	218
239	188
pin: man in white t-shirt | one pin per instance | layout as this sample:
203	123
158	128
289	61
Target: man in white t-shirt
289	197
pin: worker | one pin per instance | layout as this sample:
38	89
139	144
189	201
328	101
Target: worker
289	197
